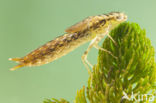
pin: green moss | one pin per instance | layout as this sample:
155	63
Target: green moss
134	70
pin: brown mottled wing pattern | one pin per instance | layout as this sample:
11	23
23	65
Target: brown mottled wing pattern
42	52
86	23
50	51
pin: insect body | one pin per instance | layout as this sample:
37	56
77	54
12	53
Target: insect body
92	29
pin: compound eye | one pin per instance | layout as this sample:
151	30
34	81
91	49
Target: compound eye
119	18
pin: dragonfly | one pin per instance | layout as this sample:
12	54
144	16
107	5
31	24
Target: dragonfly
92	28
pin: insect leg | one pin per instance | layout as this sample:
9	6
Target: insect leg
105	50
112	39
84	56
107	33
100	48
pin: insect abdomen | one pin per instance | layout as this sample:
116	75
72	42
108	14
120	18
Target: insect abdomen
52	50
